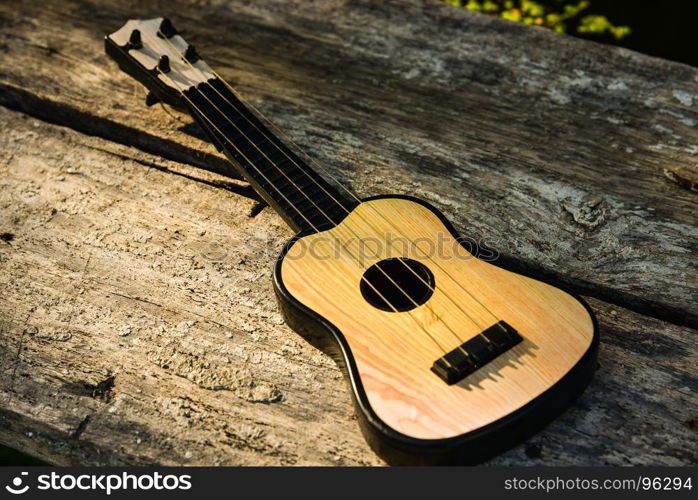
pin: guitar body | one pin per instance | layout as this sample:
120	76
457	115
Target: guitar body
409	414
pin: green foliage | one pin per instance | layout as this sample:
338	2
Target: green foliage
558	15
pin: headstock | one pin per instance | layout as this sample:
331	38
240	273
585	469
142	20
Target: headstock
153	52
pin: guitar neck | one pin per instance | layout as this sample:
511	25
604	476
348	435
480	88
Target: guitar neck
155	54
300	195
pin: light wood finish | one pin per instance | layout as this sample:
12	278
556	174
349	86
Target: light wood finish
395	350
183	74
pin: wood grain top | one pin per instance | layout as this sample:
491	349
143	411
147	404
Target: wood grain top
395	350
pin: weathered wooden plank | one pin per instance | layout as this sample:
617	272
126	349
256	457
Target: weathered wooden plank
640	408
139	327
142	321
561	153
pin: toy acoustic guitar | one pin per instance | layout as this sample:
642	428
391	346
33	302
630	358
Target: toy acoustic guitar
449	358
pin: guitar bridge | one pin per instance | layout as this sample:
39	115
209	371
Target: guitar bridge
475	353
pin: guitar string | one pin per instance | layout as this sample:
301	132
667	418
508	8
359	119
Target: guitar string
325	171
247	119
162	36
295	208
306	195
429	307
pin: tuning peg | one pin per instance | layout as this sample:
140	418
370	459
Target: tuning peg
166	30
134	41
164	64
151	99
191	55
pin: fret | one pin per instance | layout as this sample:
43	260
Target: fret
300	195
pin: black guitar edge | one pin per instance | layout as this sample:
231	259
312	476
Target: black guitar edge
467	449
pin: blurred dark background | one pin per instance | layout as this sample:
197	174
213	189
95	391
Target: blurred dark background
664	29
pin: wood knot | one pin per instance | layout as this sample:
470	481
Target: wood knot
686	177
102	390
590	213
533	451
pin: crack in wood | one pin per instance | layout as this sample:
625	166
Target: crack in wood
17	358
146	301
18	99
81	427
240	189
103	390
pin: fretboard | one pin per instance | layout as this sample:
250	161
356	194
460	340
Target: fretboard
303	199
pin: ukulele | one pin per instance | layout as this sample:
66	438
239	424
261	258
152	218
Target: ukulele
450	359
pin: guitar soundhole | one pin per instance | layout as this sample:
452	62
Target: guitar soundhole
397	284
